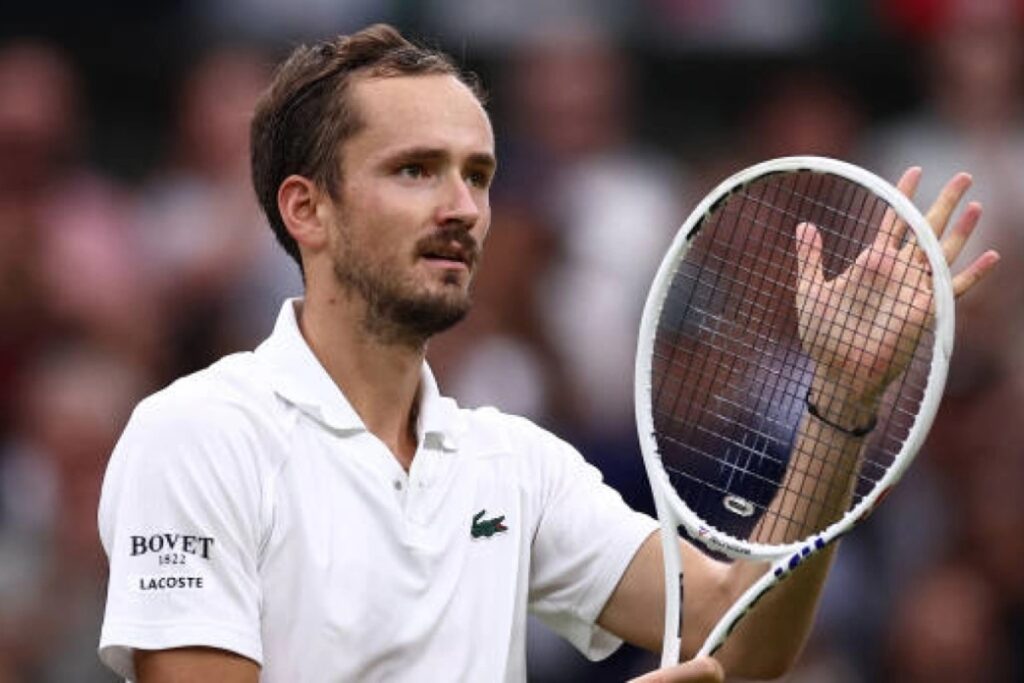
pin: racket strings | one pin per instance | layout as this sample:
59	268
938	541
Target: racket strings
744	312
742	416
745	263
730	372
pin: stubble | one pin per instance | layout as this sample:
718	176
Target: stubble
398	309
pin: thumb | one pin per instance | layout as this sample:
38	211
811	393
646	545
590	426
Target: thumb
700	670
808	254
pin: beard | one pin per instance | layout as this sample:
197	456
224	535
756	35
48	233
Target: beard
400	310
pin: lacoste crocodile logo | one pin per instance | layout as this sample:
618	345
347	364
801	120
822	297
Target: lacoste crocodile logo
486	528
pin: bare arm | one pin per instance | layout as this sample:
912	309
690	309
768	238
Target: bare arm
636	610
768	640
194	665
704	670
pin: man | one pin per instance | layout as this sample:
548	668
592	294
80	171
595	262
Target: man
315	510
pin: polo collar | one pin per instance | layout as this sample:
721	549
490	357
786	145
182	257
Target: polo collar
298	377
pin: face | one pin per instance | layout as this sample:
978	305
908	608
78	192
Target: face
413	209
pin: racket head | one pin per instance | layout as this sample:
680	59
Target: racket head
834	178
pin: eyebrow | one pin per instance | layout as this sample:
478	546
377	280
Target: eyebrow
479	159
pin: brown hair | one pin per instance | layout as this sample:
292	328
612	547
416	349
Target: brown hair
306	112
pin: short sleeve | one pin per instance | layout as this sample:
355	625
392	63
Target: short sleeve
179	519
585	540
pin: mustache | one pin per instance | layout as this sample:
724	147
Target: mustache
451	242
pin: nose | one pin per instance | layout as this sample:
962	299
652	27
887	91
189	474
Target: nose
460	204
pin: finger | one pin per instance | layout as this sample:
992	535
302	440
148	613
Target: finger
961	232
974	273
947	201
702	670
892	229
808	255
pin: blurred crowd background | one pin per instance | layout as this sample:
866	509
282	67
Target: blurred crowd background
132	251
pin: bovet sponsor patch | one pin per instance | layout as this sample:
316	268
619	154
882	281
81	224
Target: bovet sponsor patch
171	548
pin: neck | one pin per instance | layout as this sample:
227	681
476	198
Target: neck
380	379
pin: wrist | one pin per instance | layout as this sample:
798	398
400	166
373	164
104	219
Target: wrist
842	408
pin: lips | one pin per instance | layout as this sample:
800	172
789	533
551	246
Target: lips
449	249
454	253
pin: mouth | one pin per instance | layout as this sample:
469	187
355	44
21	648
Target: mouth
450	255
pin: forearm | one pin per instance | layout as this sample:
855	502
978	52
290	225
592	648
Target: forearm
815	492
822	469
768	641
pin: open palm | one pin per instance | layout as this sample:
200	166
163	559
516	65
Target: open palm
861	327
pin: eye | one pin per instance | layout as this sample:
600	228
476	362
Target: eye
479	179
413	171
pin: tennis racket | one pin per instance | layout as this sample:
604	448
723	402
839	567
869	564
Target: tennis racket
790	271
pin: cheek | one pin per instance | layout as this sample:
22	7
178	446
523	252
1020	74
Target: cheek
483	226
394	217
370	223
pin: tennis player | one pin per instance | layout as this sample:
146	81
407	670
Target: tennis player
317	511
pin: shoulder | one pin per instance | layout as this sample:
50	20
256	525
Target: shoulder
227	396
200	444
540	453
505	431
222	416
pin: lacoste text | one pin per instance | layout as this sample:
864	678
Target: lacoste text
154	583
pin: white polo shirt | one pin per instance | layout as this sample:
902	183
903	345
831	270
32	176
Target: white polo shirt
246	507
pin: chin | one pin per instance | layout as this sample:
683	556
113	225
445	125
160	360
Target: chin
433	310
451	287
424	319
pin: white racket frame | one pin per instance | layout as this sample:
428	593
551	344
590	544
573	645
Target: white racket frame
670	508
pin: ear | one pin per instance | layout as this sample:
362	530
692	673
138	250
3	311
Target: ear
301	202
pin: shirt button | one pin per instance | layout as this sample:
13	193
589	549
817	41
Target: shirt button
398	485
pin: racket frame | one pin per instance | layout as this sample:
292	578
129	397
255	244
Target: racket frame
670	509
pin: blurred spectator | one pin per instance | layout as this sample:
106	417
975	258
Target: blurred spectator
799	109
944	629
270	21
68	265
507	26
972	121
52	569
614	203
804	111
219	273
992	531
739	24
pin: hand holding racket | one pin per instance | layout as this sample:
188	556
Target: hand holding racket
704	670
792	355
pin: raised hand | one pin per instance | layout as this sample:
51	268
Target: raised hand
861	327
